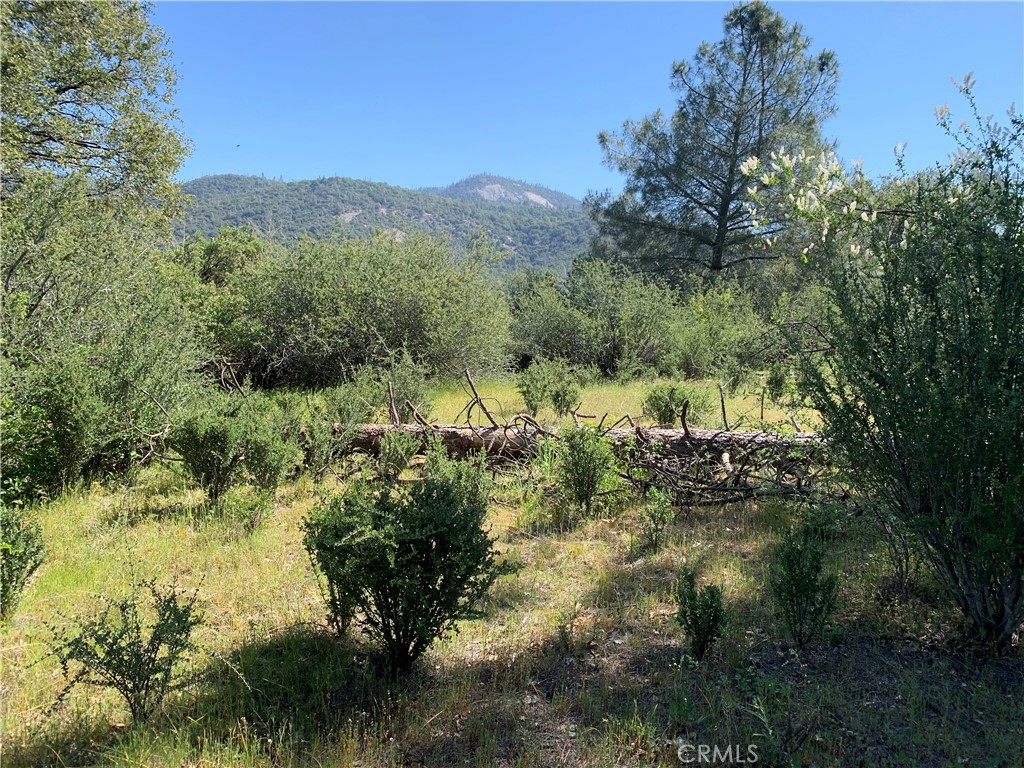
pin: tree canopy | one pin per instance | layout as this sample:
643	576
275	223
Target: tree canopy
757	90
97	340
87	89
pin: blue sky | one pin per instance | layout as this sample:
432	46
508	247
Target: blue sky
425	94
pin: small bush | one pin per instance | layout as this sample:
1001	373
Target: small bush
211	443
228	437
779	381
21	553
124	649
549	382
29	466
269	455
701	613
717	334
655	517
397	449
664	404
584	468
328	423
804	592
408	381
409	562
245	509
50	430
532	385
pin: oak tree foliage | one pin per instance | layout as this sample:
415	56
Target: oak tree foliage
87	89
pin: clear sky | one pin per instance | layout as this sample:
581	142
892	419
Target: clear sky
425	94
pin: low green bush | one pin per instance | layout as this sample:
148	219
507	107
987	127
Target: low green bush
779	382
51	420
228	438
407	562
407	379
269	454
211	442
585	468
397	449
664	404
549	382
134	645
803	589
717	334
245	508
654	518
323	423
21	554
701	613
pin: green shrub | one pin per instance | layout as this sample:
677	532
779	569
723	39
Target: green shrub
533	386
269	455
228	437
701	613
21	553
779	381
312	315
655	516
408	380
803	590
544	325
563	393
717	334
28	462
246	509
50	429
922	390
409	562
96	340
327	423
212	446
549	382
397	449
131	646
585	468
664	404
467	478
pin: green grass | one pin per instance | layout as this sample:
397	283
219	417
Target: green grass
578	659
614	400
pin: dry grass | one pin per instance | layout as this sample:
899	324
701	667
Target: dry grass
577	661
743	407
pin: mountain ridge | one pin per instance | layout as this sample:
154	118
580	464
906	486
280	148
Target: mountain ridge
532	225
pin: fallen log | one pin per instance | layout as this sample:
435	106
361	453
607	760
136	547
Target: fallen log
519	439
695	466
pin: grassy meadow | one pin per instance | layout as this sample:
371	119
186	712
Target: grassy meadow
578	659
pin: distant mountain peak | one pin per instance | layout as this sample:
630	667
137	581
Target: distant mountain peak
499	189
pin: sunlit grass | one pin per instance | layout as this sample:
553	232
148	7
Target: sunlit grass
611	401
577	659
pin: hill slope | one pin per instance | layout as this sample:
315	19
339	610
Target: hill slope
499	189
534	225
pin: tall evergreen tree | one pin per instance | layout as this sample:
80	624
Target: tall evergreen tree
683	207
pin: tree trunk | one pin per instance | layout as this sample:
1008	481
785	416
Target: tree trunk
517	441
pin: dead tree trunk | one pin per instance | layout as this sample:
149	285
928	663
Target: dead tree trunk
517	440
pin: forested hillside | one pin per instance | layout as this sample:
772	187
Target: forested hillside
532	225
